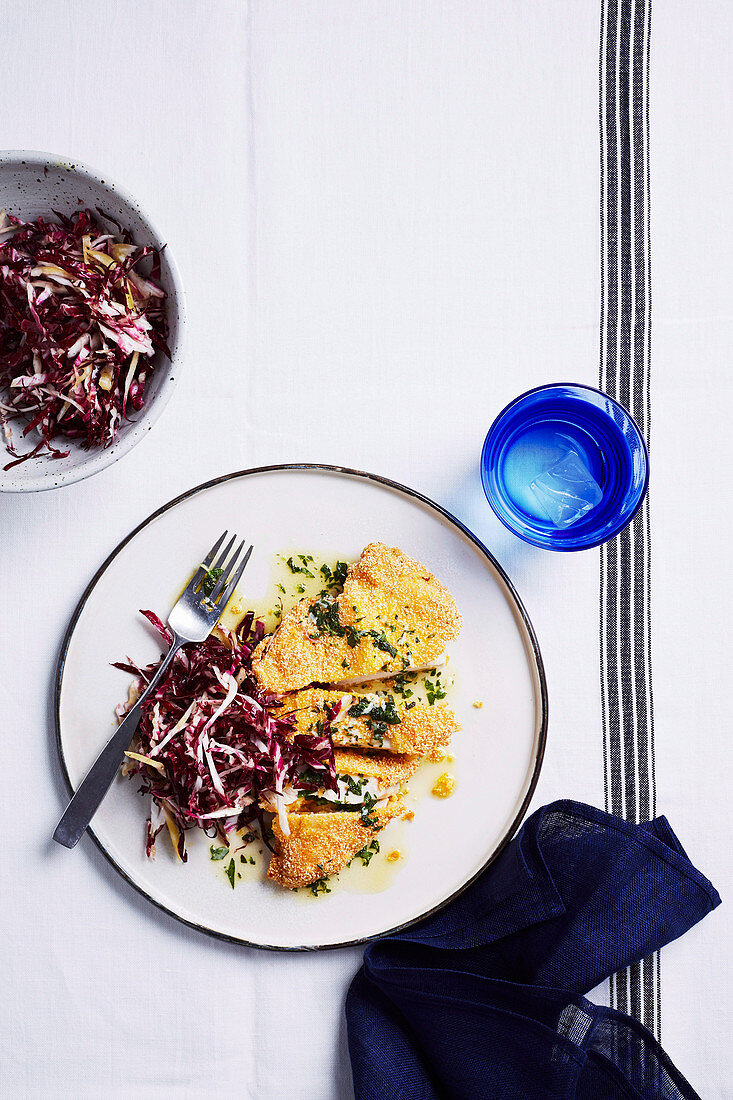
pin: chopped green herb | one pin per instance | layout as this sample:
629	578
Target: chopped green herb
218	853
434	690
309	779
366	853
230	872
335	577
295	568
339	572
358	707
325	614
399	685
381	642
320	800
353	785
377	717
366	816
320	886
210	579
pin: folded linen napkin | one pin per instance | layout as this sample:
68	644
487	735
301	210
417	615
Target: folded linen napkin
484	998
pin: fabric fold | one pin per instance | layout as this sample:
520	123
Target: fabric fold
484	998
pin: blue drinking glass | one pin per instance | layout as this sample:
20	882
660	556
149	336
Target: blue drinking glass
565	467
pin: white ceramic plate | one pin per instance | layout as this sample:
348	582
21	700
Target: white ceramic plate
332	512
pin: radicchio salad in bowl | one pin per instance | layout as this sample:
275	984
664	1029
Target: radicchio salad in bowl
91	322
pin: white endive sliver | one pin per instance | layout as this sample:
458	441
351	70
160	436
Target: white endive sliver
25	381
180	724
230	750
157	817
126	342
227	811
249	699
282	817
157	821
279	799
77	346
63	397
130	375
215	777
233	688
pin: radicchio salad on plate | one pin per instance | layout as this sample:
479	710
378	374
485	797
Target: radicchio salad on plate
300	726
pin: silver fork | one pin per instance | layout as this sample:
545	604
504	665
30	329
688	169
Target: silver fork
193	617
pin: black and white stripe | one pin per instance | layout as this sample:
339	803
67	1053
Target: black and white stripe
625	627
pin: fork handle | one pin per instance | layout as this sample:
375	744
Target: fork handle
97	781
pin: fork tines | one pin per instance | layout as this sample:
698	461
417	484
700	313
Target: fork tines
231	571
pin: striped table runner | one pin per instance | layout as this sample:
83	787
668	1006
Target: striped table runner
625	358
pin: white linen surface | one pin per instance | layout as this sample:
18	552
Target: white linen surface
386	219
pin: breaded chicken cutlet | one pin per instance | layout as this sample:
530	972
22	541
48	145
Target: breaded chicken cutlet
322	844
372	720
362	779
393	615
325	829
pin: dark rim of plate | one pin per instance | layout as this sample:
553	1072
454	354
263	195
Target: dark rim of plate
541	733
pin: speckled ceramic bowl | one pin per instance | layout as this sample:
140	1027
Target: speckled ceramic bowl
32	184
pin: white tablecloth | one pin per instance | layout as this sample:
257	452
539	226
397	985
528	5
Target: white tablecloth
386	215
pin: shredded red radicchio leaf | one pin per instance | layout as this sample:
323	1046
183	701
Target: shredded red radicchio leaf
79	326
226	757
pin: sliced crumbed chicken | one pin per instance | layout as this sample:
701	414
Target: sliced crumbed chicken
321	844
374	720
392	615
362	779
388	770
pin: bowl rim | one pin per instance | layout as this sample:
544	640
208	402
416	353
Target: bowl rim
624	521
45	478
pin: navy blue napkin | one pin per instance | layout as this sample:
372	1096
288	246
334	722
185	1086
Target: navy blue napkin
484	999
